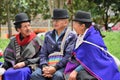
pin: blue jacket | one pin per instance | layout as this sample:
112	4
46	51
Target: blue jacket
50	45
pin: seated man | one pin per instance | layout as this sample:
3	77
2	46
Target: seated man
22	51
60	39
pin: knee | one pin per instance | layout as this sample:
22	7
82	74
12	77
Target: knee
36	74
59	75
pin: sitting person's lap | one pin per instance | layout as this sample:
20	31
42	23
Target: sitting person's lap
15	74
58	75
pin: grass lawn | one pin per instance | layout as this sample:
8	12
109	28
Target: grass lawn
3	44
111	40
1	60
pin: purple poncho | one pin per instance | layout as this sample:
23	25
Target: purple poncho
98	63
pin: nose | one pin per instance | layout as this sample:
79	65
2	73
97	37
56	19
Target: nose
28	27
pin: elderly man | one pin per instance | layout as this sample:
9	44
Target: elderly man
21	52
53	68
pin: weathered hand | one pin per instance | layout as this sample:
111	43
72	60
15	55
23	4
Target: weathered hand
19	65
46	72
51	70
73	75
47	75
45	69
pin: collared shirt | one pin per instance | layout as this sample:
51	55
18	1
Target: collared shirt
58	36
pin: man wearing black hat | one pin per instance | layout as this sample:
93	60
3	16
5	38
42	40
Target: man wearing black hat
22	51
51	68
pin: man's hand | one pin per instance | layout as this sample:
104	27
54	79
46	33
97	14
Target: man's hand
73	75
51	70
19	65
46	72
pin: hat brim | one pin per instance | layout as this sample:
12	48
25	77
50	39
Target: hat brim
82	20
66	17
21	21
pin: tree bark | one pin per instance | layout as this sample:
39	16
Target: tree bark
55	4
8	20
0	30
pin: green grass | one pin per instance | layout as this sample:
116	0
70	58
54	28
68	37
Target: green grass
3	43
112	41
1	60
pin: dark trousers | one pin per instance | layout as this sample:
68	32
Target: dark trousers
84	75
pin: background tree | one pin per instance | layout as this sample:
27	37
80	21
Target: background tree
55	4
106	11
103	11
9	8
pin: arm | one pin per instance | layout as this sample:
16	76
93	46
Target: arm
8	55
34	59
43	55
74	73
79	68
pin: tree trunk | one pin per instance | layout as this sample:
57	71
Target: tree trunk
50	3
61	3
70	8
55	4
0	30
106	20
8	19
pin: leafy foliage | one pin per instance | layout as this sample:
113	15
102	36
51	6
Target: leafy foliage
103	11
106	10
31	7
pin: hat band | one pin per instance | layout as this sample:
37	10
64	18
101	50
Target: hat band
61	17
22	21
83	20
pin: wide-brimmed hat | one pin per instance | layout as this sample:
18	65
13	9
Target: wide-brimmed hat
60	14
82	16
21	17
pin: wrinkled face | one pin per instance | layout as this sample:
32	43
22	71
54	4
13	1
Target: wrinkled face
79	28
60	24
25	29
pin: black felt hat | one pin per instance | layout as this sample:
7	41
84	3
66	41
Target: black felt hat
21	17
60	14
82	16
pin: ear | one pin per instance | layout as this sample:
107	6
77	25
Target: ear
18	29
66	21
83	27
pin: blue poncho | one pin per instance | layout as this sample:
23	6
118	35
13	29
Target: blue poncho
98	63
